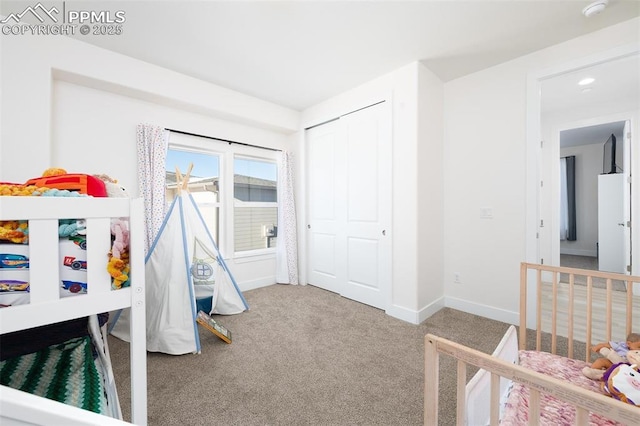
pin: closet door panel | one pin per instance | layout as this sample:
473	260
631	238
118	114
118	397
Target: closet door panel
324	222
368	207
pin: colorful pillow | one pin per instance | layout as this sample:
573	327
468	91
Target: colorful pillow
84	184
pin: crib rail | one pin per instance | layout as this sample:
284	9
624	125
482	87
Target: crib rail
576	304
585	401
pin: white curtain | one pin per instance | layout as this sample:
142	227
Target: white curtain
287	246
152	143
564	200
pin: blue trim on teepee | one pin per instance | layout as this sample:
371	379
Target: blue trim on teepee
220	258
187	264
164	223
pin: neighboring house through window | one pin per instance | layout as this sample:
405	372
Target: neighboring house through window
241	217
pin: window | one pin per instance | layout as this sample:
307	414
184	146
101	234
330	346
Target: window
255	213
204	183
235	189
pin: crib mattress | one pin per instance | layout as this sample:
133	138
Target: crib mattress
553	412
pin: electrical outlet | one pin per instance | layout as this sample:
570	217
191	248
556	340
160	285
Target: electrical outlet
456	278
486	213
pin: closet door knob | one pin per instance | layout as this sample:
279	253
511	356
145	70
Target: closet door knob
384	232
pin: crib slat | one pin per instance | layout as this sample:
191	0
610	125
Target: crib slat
554	313
609	307
570	315
589	316
461	396
582	417
629	307
539	310
494	415
431	382
534	407
522	339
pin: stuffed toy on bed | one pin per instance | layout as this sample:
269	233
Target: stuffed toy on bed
622	380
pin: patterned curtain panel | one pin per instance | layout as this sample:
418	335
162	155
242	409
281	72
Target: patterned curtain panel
152	143
287	247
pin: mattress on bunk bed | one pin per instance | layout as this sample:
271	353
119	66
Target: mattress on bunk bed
64	372
31	340
552	411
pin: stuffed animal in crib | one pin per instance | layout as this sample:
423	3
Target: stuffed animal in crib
611	357
622	380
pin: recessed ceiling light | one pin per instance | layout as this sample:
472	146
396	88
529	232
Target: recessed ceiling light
595	8
586	81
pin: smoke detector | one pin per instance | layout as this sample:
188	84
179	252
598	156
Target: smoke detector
595	8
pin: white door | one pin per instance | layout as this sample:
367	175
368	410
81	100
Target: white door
611	226
626	164
325	228
349	214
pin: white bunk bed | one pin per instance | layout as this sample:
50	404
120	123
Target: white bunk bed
525	382
47	307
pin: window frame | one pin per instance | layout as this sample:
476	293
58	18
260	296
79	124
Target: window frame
226	201
257	204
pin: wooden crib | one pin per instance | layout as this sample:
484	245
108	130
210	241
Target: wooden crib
576	307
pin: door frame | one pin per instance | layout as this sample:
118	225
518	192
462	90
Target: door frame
554	153
533	157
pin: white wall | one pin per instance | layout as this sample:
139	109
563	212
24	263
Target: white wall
430	191
69	104
588	167
486	163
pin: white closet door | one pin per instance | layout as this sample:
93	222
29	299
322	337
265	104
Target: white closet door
368	205
325	228
349	241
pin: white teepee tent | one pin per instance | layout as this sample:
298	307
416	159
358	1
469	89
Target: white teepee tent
184	273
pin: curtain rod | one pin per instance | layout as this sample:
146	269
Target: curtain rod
223	140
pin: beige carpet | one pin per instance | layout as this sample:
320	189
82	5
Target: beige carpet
305	356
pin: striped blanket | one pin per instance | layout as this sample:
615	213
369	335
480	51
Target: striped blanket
65	372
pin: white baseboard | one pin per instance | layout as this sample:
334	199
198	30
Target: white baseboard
578	252
490	312
258	283
415	317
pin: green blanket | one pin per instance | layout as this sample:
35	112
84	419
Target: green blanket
64	372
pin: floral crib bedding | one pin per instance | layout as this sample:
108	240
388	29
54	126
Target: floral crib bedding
553	412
